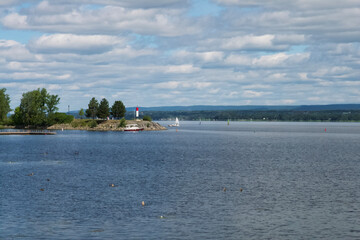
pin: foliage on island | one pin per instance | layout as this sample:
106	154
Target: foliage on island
147	118
81	113
118	109
103	111
4	106
93	107
38	108
122	123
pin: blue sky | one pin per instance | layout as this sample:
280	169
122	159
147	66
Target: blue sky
182	52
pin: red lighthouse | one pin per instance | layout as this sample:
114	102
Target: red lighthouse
137	112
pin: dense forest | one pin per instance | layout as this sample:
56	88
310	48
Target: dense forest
255	115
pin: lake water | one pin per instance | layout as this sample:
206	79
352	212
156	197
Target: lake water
248	180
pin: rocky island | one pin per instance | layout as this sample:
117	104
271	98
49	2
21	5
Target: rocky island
105	125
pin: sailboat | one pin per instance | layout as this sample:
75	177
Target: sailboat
176	124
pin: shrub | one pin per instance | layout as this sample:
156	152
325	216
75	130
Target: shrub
7	122
122	123
75	124
93	124
59	118
147	118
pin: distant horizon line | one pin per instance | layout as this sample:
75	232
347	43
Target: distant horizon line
231	105
301	107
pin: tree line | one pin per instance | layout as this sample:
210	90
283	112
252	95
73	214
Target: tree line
38	108
102	110
4	105
258	115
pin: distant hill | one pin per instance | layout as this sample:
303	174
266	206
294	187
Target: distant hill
344	107
332	112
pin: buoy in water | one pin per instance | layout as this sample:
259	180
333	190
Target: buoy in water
143	203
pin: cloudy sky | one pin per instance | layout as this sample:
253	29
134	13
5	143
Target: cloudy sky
182	52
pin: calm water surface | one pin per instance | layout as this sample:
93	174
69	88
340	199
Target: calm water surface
298	181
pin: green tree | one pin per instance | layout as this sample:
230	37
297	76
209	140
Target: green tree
81	113
33	108
147	118
17	117
93	105
118	109
104	110
59	118
122	123
51	102
93	124
4	104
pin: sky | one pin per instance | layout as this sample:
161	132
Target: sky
182	52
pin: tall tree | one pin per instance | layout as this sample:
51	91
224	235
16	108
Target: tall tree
17	117
93	108
81	113
51	103
104	110
33	108
4	104
118	109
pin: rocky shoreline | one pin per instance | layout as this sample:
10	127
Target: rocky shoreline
109	125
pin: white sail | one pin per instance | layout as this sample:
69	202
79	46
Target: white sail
176	124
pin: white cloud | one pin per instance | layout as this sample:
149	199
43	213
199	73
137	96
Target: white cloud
254	94
182	84
8	2
238	60
250	42
60	43
129	3
204	57
279	59
187	68
14	51
302	4
107	20
168	85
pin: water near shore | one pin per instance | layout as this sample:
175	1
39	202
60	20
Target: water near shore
209	181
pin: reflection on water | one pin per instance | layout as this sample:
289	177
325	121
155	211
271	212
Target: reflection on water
245	180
